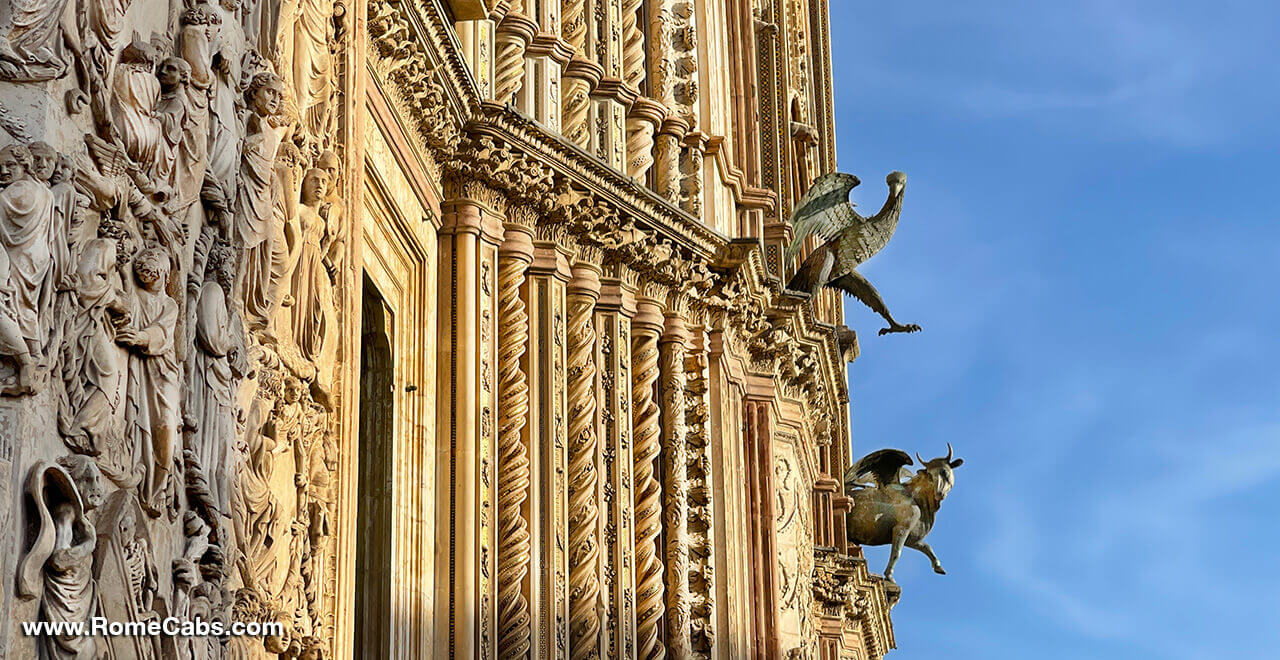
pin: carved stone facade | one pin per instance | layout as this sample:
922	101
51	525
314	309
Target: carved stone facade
425	328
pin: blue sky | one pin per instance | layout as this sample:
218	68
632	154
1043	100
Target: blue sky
1090	240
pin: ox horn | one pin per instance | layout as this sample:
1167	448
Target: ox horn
922	461
949	452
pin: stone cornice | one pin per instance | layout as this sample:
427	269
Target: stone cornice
417	52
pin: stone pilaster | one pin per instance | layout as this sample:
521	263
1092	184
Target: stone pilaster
675	453
614	310
584	478
548	440
469	236
702	573
646	328
514	552
477	40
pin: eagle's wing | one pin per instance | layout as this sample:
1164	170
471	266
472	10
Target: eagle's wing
824	211
882	467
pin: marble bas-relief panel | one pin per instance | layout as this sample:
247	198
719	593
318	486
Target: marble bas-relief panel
172	239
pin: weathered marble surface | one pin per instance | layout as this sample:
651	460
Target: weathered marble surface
161	447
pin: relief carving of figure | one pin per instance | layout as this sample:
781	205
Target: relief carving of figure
134	100
106	30
332	212
152	405
311	284
174	74
313	65
57	568
254	207
36	48
92	365
32	249
210	403
198	27
256	510
224	129
125	571
69	204
286	242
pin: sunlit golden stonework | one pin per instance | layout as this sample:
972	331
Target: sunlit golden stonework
423	328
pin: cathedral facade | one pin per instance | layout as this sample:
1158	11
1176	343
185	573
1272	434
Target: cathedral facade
421	329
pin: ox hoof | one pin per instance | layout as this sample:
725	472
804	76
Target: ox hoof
939	570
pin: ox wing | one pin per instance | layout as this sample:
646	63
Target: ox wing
879	468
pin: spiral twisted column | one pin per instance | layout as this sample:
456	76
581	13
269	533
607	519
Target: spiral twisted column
676	489
666	154
642	122
514	551
646	327
515	33
584	480
581	75
633	72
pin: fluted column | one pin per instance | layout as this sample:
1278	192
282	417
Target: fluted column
646	328
514	257
703	573
614	310
584	481
548	512
471	229
675	458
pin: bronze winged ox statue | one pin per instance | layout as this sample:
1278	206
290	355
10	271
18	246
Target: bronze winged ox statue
893	506
847	238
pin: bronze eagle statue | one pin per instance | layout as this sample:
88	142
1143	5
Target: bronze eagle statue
848	239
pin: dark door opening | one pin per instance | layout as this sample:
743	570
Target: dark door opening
373	545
